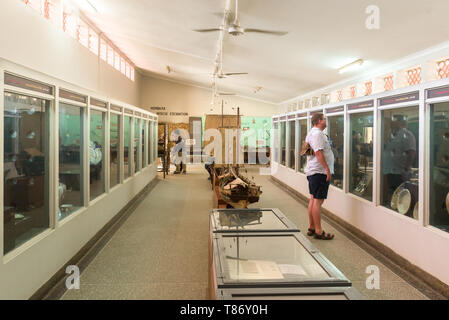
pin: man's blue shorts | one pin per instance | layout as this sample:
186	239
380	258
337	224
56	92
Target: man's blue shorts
318	186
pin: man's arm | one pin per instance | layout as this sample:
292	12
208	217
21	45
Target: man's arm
320	156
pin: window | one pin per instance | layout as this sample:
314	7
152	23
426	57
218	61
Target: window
414	76
96	152
132	73
122	66
137	155
291	145
110	56
127	145
439	166
128	70
70	159
93	41
361	155
26	169
103	50
116	61
115	150
302	161
83	33
283	138
388	83
335	129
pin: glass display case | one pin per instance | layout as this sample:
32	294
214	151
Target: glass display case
71	154
127	145
150	142
276	142
26	168
250	220
96	151
144	131
439	166
114	169
324	293
361	155
302	160
283	141
292	143
279	259
155	140
400	161
335	129
136	145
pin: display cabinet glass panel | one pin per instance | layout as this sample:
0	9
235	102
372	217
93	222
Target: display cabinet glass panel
275	259
26	169
150	142
114	150
71	154
250	220
127	146
96	152
144	131
400	161
283	142
276	142
302	161
292	143
335	129
361	155
136	146
155	140
439	166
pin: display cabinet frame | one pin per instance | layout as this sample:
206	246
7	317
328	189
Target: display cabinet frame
289	225
221	270
350	293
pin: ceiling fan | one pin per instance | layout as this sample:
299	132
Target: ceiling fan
219	75
236	30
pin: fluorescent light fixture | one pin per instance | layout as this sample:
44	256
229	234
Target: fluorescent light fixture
351	66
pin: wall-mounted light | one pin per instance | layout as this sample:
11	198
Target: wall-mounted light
351	66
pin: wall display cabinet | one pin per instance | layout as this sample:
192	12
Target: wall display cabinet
127	147
136	145
399	183
361	154
439	166
283	141
26	168
114	158
276	142
335	129
302	160
96	153
291	143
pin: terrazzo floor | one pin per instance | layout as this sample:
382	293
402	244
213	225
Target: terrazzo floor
161	250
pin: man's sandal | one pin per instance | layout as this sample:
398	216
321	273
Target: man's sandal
310	232
324	236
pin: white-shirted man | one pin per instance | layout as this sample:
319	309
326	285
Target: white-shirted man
319	170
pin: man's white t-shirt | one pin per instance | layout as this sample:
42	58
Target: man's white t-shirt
319	141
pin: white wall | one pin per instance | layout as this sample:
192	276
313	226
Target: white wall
176	97
30	40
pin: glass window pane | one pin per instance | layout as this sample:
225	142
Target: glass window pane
93	41
83	33
110	56
276	142
96	152
400	161
26	182
115	147
136	145
302	138
335	128
283	138
361	162
103	50
122	66
144	130
132	73
150	143
156	139
127	144
439	166
116	61
70	159
292	144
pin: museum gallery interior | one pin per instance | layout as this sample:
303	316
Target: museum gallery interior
154	149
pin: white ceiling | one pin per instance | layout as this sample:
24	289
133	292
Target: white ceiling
323	35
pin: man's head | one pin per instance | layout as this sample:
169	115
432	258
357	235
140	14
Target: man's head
319	121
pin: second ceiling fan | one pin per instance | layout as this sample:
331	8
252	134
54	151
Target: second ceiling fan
236	30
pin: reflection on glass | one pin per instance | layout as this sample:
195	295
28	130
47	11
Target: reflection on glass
246	219
136	145
302	161
156	138
144	130
335	129
150	143
276	142
26	188
70	159
439	166
127	144
269	258
291	145
361	156
400	163
115	148
96	151
283	139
